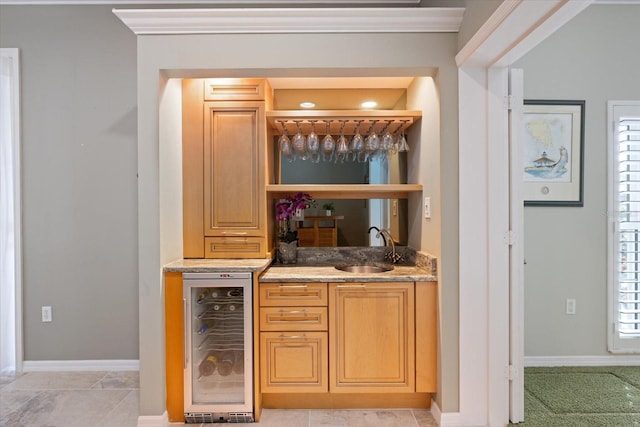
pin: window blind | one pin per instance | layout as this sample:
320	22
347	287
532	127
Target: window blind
627	293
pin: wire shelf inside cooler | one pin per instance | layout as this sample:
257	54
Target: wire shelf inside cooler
218	339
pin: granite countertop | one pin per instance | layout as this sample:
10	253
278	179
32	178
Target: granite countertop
400	273
317	265
217	265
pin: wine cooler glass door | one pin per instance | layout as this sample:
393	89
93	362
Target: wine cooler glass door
219	356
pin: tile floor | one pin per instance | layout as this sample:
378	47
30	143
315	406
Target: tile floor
110	399
69	399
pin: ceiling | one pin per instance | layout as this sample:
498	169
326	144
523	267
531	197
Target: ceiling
340	93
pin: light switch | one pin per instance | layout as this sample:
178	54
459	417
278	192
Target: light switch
427	207
571	306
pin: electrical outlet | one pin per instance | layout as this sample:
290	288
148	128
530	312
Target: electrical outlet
47	315
571	306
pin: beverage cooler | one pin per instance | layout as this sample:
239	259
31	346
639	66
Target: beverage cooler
218	368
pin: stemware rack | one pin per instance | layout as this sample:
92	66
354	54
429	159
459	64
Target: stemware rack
396	120
401	120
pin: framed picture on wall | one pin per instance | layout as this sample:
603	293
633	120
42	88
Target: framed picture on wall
553	152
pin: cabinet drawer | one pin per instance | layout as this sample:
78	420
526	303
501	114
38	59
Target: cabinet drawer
234	90
234	247
293	294
293	319
294	362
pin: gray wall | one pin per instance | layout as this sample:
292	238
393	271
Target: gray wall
577	62
476	13
79	180
78	71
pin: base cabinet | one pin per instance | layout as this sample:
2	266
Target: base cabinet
365	344
293	338
372	337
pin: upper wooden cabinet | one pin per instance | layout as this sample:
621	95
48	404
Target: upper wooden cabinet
224	168
233	159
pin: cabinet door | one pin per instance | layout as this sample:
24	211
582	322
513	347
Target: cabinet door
293	362
234	197
372	338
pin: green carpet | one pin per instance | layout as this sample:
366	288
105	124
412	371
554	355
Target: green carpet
582	397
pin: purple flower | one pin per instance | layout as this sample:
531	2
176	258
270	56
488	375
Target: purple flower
286	209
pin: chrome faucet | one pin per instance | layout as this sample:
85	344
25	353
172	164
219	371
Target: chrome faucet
379	234
387	238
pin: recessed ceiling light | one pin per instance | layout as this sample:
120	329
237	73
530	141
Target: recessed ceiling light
307	104
369	104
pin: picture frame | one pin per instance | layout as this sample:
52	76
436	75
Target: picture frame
553	152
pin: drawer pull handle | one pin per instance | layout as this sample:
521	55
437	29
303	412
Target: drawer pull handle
293	337
234	233
282	312
293	286
355	286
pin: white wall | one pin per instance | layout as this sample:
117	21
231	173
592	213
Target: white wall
79	167
433	162
565	247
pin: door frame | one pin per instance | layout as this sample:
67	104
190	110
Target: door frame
512	30
14	55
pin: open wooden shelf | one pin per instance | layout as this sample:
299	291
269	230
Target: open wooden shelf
394	119
345	191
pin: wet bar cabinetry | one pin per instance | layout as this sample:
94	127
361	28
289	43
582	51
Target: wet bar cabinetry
231	170
342	122
224	168
377	349
293	338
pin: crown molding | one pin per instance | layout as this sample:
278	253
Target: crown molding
211	2
290	20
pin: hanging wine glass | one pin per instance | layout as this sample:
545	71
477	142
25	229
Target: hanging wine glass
285	144
393	148
342	147
403	147
372	142
299	143
313	143
386	142
357	144
328	144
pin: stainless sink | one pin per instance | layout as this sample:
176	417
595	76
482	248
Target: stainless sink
364	268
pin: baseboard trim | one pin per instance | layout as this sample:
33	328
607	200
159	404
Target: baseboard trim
542	361
447	419
80	365
154	420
